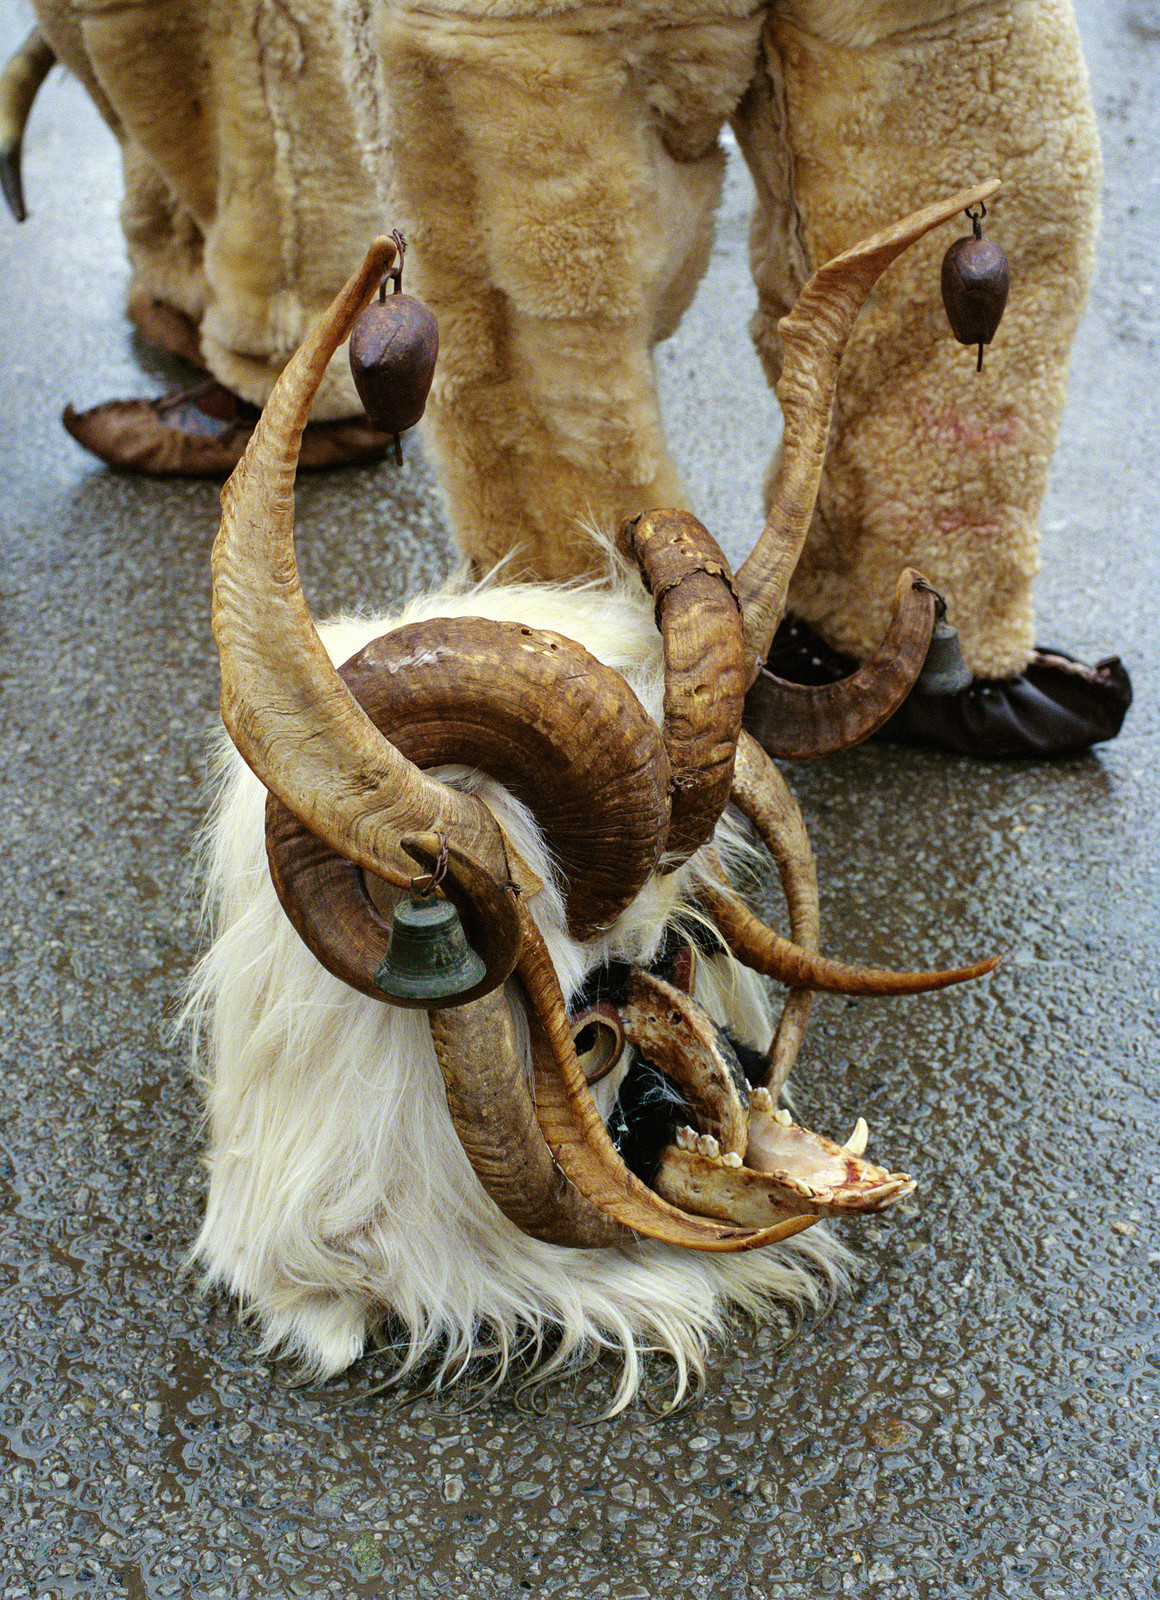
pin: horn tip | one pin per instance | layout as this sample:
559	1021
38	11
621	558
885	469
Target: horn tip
12	183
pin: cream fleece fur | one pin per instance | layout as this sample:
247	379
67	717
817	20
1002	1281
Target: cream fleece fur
556	170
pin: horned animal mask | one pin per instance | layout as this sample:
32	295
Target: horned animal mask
353	813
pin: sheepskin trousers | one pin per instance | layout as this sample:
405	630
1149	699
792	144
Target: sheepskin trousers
556	170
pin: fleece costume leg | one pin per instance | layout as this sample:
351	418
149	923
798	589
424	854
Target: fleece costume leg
254	167
556	178
862	110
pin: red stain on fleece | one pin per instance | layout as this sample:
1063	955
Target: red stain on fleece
955	520
970	432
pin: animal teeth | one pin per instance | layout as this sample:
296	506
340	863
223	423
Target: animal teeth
761	1100
858	1140
707	1145
782	1115
686	1138
732	1159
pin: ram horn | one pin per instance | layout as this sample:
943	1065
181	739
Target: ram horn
493	1113
288	712
19	82
762	794
813	338
799	722
699	618
533	710
758	947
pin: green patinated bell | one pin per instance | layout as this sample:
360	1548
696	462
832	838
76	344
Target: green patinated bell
428	958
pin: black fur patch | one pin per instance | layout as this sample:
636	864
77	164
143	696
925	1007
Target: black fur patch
648	1111
753	1062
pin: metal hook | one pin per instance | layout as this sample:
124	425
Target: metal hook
425	885
940	605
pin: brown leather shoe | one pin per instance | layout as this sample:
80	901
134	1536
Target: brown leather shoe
202	432
164	325
1056	706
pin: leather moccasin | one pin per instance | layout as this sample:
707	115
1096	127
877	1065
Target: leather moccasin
163	325
1055	707
202	433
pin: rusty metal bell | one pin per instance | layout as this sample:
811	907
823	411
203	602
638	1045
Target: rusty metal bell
944	671
976	277
428	961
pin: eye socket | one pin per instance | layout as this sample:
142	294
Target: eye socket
585	1040
598	1038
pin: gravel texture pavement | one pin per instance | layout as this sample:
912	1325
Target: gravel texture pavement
979	1419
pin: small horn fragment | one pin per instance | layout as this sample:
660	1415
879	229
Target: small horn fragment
19	82
813	337
699	618
799	722
598	1038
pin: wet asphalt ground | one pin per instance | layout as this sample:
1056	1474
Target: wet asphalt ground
980	1418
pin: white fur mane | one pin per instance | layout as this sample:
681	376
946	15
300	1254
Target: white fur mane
339	1195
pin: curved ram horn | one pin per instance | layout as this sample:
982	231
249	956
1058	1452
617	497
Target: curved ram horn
762	794
533	710
576	1136
285	707
699	618
798	722
19	82
767	952
813	338
491	1106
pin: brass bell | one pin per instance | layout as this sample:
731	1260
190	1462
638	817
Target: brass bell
944	671
428	961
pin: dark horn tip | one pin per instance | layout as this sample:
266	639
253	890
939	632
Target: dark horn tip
12	183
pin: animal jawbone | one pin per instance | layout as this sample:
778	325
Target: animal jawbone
787	1171
746	1161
